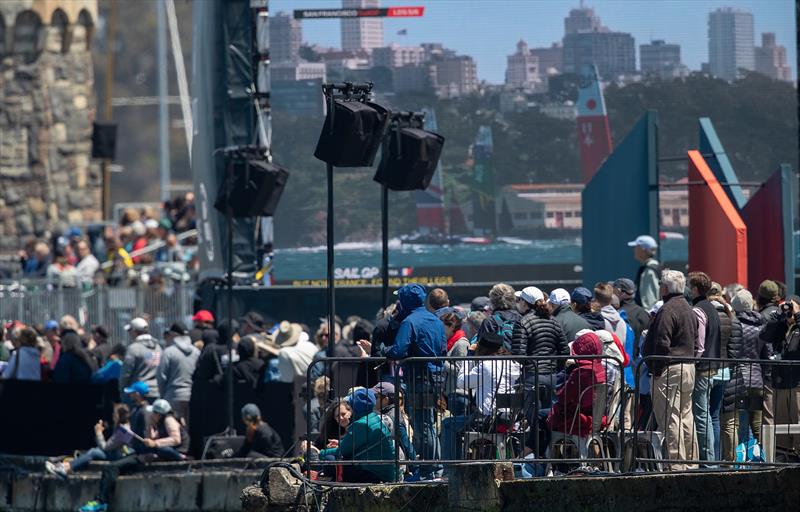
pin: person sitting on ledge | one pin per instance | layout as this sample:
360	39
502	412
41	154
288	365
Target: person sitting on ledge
113	448
260	439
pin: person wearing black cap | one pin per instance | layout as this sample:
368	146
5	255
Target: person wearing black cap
582	305
175	370
260	439
638	317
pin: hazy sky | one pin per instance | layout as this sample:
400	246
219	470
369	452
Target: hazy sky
488	30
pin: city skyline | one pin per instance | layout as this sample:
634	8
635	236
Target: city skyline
448	22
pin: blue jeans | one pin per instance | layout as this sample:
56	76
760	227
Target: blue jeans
83	460
452	427
702	416
715	405
423	390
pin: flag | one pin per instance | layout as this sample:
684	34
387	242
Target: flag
402	32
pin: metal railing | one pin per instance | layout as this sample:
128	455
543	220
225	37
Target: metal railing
110	306
431	424
748	396
587	419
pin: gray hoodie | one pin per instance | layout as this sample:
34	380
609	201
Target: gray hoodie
141	363
614	323
176	370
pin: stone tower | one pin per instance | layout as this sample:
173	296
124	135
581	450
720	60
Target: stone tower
47	105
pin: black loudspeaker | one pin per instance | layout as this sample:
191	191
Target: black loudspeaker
104	140
255	190
410	159
358	129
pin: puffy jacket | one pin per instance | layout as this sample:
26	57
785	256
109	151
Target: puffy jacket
672	332
141	364
367	438
176	369
569	321
725	330
731	334
594	319
536	336
421	333
746	376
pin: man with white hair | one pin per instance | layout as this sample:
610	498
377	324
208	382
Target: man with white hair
672	333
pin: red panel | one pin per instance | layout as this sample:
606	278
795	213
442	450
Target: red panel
717	234
764	219
594	138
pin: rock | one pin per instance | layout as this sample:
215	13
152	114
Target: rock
24	224
283	487
12	197
253	499
36	205
474	486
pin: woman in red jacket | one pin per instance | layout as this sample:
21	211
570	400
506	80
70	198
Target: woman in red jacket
573	396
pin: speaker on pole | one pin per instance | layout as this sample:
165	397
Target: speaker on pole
357	131
410	159
104	140
255	187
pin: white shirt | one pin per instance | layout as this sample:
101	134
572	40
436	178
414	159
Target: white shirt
488	378
86	268
293	361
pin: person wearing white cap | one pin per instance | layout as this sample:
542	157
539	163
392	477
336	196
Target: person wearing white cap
644	250
165	437
141	359
561	310
536	334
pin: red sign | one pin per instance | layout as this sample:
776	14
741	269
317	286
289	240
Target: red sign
405	12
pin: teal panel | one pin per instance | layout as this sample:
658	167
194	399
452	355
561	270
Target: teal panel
621	203
714	154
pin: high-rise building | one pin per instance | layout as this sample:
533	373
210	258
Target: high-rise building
612	52
285	37
293	71
414	78
361	33
771	58
395	56
582	19
661	59
551	60
522	69
730	42
456	76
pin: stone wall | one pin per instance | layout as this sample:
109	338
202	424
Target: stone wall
47	104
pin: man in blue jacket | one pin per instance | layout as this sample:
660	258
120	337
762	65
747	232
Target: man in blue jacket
421	334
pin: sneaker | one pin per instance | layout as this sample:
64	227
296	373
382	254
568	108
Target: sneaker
55	469
94	506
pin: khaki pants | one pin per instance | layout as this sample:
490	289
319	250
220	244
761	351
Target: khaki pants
672	409
769	396
787	412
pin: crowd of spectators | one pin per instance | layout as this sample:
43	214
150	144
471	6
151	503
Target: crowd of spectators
555	351
142	247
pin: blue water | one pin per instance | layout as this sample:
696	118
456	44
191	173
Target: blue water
310	263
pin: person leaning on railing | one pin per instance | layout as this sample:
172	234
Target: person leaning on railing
783	332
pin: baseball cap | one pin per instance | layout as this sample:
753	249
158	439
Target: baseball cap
137	324
383	389
625	285
559	296
251	411
178	328
203	315
480	304
137	387
645	242
50	325
530	294
160	406
151	223
581	295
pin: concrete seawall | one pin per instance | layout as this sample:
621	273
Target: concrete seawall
773	489
180	487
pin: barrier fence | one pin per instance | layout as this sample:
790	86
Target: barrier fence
110	306
595	416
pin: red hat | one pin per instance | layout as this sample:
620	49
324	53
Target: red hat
203	316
